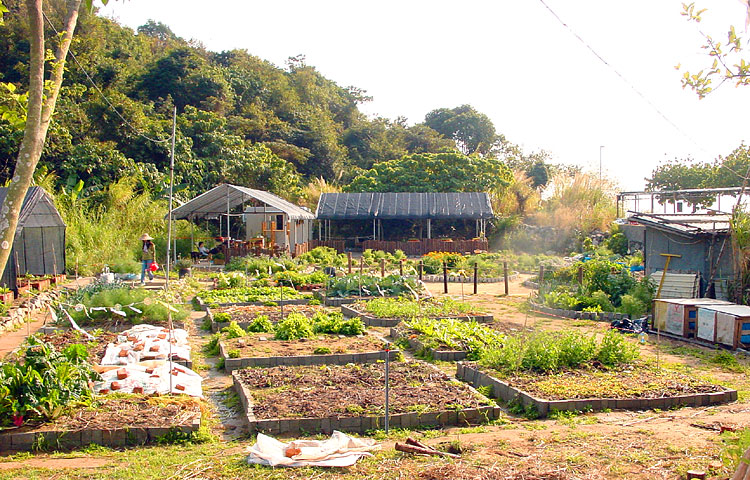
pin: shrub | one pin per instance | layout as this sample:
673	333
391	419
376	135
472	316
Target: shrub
323	256
233	353
293	327
322	351
630	305
230	280
334	323
615	350
233	330
600	299
261	323
618	243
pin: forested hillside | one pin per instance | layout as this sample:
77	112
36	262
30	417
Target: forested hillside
239	118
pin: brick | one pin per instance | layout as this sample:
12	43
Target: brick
22	441
156	432
325	425
449	417
429	419
5	442
294	425
311	425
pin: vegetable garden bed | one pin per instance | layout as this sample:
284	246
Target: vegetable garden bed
245	314
632	388
448	339
443	355
252	296
114	422
389	312
322	399
261	350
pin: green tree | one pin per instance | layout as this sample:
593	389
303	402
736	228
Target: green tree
434	172
472	131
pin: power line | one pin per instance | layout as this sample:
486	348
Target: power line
96	87
632	87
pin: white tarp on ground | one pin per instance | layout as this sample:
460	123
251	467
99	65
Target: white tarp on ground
340	450
147	342
148	377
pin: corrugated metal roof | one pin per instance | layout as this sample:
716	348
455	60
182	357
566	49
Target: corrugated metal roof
215	201
371	205
38	209
685	223
677	285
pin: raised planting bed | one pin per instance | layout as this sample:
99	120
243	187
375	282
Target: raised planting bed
447	339
636	387
252	296
261	350
315	399
112	422
389	312
559	312
245	314
96	347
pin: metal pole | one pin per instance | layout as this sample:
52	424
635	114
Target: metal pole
421	270
171	184
387	387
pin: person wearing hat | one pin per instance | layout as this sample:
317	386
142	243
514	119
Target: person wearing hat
148	254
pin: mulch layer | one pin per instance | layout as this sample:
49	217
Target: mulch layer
131	412
252	345
346	390
247	313
639	381
463	471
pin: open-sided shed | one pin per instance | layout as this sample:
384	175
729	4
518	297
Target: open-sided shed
418	208
39	244
266	215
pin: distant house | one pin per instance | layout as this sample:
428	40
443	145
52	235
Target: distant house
39	244
702	241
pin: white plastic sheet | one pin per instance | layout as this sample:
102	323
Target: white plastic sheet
147	342
340	450
150	377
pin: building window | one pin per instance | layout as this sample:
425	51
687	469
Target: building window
279	222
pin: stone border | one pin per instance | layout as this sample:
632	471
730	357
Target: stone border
16	316
438	278
231	364
276	426
499	389
417	345
334	301
68	439
371	321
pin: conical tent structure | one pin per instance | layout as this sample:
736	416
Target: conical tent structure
39	245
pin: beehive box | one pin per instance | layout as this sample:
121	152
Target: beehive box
727	325
679	316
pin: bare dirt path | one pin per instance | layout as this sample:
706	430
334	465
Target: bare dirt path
9	341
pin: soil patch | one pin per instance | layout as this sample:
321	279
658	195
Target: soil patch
252	345
57	463
640	381
346	390
131	411
465	471
96	347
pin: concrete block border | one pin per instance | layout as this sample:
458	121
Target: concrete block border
469	280
202	305
334	301
416	345
499	389
361	424
71	439
371	321
231	364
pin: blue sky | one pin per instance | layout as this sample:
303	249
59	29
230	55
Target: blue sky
512	60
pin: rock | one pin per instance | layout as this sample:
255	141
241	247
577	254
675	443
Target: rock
263	339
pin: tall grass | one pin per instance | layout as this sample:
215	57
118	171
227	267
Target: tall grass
103	229
581	202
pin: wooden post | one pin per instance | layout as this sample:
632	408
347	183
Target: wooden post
580	275
421	270
505	274
382	267
445	277
476	279
541	274
401	267
349	258
361	265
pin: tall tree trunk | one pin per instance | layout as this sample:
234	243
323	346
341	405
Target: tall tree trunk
39	114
